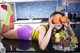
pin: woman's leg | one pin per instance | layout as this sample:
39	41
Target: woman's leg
9	26
11	34
8	31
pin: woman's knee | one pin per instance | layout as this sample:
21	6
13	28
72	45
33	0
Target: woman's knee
2	34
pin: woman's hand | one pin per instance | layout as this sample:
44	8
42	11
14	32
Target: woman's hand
51	25
67	24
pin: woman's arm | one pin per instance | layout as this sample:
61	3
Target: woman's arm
44	36
71	30
67	24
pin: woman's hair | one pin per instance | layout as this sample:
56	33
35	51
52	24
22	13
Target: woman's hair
54	13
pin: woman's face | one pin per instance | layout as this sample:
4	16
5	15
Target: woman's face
59	25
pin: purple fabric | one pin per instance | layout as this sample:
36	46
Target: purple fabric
25	32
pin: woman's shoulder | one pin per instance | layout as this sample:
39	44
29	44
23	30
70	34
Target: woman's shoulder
45	26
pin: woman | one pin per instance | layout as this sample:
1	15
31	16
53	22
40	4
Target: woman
42	34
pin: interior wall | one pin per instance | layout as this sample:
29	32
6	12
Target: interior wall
40	9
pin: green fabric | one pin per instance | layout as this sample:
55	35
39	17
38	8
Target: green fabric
9	13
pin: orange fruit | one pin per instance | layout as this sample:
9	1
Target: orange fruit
55	20
63	19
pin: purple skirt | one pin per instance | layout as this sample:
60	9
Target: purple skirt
25	32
